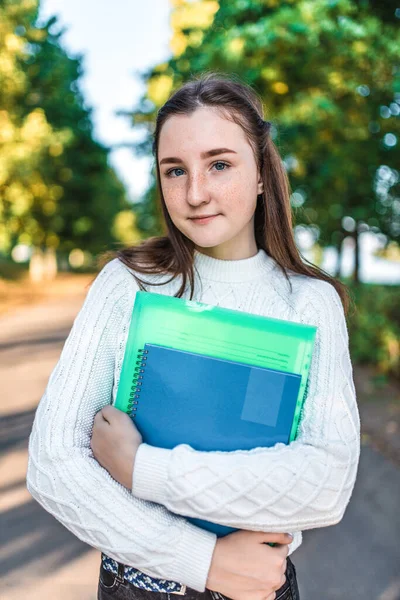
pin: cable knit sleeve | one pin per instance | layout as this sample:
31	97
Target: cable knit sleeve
65	478
303	485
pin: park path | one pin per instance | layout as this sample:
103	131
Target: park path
359	558
39	558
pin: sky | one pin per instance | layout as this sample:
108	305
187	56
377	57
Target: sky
121	38
117	39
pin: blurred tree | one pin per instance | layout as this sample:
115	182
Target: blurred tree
57	189
25	135
329	74
92	195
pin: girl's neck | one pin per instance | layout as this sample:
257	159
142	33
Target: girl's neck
231	271
229	252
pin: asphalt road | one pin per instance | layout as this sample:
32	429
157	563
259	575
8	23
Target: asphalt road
359	558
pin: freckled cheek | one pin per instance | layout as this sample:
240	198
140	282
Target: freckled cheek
238	198
175	204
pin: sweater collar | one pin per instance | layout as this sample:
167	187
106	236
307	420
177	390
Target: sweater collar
230	271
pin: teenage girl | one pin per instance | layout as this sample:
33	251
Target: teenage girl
229	242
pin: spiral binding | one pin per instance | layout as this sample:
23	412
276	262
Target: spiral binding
136	384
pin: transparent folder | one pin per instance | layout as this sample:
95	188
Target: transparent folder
217	332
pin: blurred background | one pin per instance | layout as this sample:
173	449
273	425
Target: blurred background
80	86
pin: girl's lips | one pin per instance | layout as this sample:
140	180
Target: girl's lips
204	219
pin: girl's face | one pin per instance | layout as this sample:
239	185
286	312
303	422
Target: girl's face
207	167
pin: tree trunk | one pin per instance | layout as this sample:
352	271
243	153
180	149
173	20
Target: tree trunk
50	264
337	269
356	272
339	259
36	266
43	265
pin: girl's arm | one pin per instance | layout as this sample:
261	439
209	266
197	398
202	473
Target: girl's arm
303	485
65	478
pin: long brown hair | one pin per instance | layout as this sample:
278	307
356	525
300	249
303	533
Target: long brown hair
173	253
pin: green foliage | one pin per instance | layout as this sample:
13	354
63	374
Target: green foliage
374	329
57	189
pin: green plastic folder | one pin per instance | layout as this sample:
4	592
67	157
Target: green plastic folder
217	332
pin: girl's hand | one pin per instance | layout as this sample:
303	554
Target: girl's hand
245	567
115	440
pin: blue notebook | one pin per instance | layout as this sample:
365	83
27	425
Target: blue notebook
210	403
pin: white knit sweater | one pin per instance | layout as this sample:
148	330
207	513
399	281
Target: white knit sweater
284	488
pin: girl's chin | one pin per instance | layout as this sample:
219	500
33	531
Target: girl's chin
206	237
207	242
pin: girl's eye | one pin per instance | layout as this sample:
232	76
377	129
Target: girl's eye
219	162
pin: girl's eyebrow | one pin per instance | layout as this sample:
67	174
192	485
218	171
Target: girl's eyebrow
207	154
